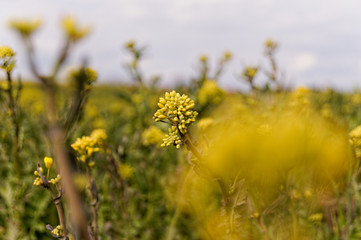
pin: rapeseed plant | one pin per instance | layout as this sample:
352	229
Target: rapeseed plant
85	147
46	182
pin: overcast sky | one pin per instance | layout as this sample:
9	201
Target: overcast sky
320	40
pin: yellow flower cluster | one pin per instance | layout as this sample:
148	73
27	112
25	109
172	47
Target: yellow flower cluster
130	45
99	135
355	140
87	145
91	75
210	93
203	58
7	60
250	72
270	44
152	135
355	136
316	217
172	138
57	231
178	110
73	31
25	27
227	55
125	170
38	181
55	180
300	99
48	161
254	215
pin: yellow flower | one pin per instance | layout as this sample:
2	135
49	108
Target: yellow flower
58	231
172	139
210	93
81	181
91	75
130	44
177	109
356	132
48	162
85	146
250	72
38	181
25	27
125	170
152	135
87	75
73	31
99	135
227	55
308	193
203	58
270	44
7	60
316	217
55	180
254	215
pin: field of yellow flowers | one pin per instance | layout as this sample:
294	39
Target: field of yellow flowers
85	161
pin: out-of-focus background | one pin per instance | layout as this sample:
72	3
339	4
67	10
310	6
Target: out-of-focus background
319	40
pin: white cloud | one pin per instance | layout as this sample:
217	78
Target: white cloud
304	62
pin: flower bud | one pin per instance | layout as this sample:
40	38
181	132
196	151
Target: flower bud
48	162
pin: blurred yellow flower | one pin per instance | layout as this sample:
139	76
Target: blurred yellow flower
227	55
99	135
25	26
73	31
210	93
125	170
152	135
203	58
205	123
85	146
270	44
250	72
316	217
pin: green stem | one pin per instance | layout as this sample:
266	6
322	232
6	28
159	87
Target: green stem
94	202
59	209
14	118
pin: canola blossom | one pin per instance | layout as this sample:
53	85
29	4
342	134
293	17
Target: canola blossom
24	26
73	30
48	161
87	145
7	58
177	110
